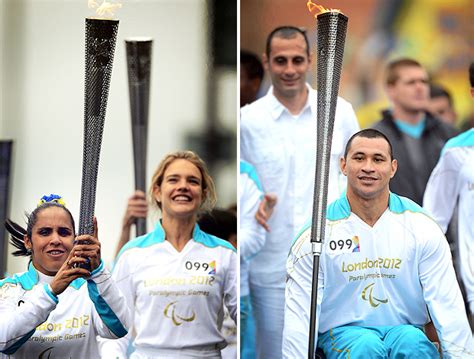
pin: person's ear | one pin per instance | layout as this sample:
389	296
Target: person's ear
265	61
27	241
310	60
342	164
157	193
394	168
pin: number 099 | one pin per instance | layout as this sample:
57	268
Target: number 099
196	266
340	244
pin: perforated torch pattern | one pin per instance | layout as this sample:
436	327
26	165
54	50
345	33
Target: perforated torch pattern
101	36
139	68
332	28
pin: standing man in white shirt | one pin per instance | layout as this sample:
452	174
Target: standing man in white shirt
452	182
278	137
385	270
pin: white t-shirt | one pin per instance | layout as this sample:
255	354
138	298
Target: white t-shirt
453	180
390	274
35	323
176	297
282	148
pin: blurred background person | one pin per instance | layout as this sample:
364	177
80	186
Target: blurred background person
251	76
441	104
416	136
177	278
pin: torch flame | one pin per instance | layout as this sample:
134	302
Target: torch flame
311	6
106	9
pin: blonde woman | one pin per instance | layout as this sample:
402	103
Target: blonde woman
177	278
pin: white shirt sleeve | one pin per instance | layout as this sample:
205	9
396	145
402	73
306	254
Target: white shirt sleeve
111	315
298	299
19	322
122	275
230	287
442	190
442	294
251	234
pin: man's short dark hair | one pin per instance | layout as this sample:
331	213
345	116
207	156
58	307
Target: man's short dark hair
471	74
252	64
440	91
286	32
368	133
392	74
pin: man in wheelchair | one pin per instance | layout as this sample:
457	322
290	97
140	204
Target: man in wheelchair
385	271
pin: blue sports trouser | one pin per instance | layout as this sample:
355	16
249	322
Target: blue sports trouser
247	329
402	341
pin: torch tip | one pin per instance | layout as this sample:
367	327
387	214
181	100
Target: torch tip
100	19
138	39
333	13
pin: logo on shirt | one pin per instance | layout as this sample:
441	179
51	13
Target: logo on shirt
356	242
213	267
200	267
367	295
177	319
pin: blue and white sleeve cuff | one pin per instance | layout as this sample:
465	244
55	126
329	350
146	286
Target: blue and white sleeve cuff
49	292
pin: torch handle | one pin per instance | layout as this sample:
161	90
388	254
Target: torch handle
139	69
140	226
314	306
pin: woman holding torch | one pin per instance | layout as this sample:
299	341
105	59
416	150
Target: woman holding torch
57	308
177	277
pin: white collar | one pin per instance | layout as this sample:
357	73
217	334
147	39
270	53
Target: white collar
277	108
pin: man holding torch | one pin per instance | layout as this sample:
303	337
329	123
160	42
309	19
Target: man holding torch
385	270
278	137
